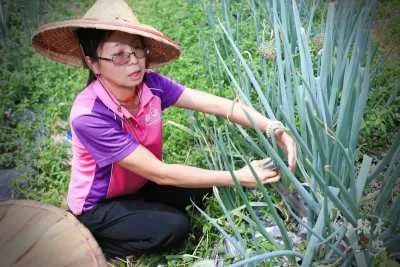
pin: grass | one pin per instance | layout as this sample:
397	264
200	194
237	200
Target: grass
382	115
183	25
37	95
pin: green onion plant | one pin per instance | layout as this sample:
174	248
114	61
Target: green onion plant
308	64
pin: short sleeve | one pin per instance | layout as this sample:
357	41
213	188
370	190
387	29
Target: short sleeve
165	88
104	138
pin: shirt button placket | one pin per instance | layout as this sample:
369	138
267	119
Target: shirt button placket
134	123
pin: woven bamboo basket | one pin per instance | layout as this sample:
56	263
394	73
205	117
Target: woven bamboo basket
35	234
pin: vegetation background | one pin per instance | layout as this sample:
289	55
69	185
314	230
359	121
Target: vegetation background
37	95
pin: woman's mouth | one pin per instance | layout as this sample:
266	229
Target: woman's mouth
135	75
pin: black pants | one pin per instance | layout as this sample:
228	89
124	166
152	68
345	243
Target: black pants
151	220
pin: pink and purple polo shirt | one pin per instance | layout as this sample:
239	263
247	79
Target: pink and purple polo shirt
104	132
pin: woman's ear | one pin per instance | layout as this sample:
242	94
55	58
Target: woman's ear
93	65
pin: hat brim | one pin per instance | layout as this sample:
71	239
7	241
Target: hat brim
58	41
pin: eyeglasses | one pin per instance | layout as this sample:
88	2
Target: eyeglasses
124	58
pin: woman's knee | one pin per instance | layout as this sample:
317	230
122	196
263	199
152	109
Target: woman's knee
138	228
163	231
174	230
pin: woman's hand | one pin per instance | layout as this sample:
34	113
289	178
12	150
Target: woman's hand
266	175
286	142
239	113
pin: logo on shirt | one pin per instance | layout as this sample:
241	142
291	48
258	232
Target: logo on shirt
152	117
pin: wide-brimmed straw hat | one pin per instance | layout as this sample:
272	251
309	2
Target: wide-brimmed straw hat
58	40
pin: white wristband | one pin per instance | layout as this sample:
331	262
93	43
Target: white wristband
272	126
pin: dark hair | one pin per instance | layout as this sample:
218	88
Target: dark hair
90	39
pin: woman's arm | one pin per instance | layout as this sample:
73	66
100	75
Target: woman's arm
236	112
142	162
208	103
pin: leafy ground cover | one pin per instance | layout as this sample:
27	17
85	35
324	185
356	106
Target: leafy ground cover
37	95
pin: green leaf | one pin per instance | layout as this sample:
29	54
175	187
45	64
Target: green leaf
362	177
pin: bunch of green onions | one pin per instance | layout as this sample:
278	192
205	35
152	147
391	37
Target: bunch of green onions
317	83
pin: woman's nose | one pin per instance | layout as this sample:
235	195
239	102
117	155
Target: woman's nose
133	59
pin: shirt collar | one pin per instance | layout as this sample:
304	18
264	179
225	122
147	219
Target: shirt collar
113	104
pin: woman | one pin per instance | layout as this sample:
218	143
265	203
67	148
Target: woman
120	188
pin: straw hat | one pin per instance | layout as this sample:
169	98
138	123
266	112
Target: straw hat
36	234
58	40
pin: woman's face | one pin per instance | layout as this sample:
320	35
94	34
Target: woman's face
120	77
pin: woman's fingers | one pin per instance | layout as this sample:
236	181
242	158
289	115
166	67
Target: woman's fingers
259	167
266	178
267	175
291	152
264	174
289	146
292	158
273	179
257	163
